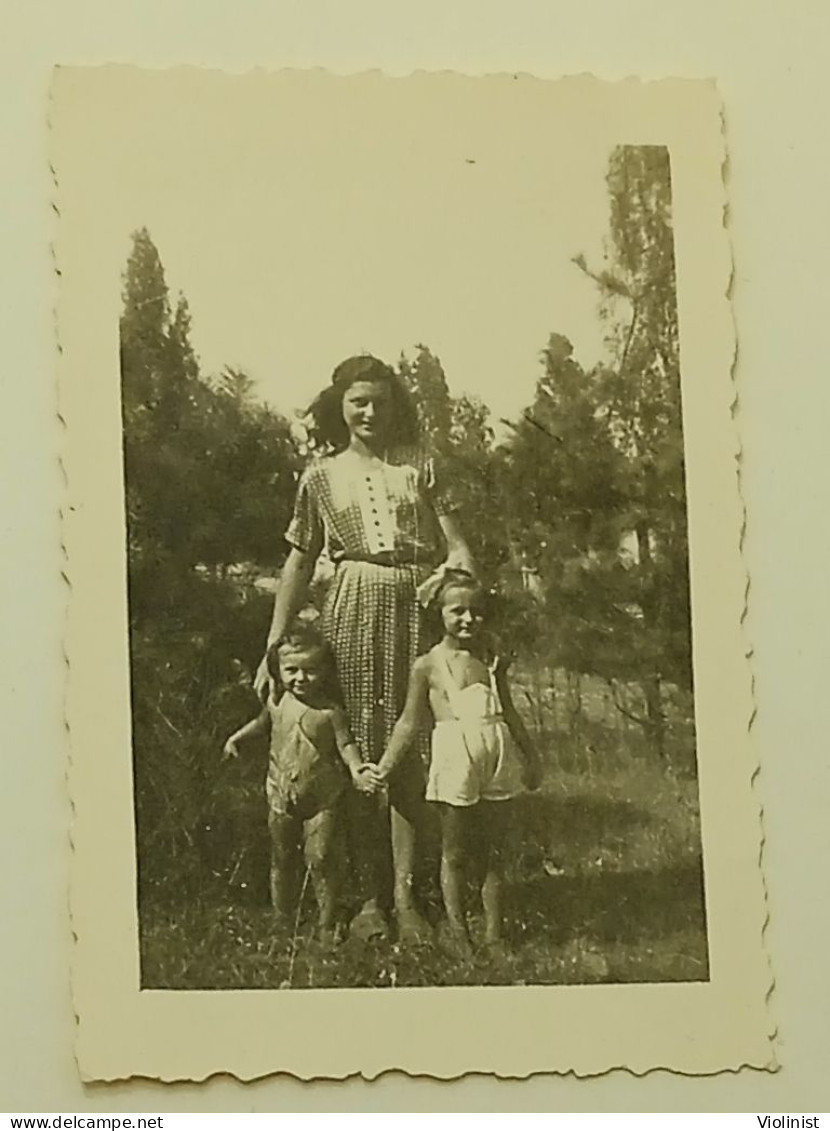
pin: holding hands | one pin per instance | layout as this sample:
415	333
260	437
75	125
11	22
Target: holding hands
366	778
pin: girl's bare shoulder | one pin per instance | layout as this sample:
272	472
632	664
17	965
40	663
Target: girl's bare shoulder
325	714
424	666
435	667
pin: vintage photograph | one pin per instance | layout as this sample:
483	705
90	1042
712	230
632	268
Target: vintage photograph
412	695
404	651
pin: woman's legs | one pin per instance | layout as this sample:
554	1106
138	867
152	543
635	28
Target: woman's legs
372	621
370	855
406	814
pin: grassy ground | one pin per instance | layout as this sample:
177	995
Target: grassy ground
605	885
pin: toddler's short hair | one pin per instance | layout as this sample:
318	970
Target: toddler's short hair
300	637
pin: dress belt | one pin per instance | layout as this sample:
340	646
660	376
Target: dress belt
389	560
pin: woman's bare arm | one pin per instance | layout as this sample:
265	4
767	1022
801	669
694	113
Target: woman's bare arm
292	591
291	594
458	552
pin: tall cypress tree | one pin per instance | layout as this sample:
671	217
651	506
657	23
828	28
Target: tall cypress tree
209	470
158	377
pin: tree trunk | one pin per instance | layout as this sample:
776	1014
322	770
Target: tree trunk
654	709
651	683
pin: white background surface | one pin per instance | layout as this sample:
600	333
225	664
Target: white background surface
770	62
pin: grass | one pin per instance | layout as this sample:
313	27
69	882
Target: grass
605	885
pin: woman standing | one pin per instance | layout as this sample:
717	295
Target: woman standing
374	503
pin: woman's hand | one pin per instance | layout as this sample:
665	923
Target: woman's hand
458	552
366	778
461	559
292	590
262	681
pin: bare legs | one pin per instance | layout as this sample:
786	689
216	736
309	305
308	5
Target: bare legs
488	823
284	850
495	817
412	927
370	852
385	831
455	831
317	837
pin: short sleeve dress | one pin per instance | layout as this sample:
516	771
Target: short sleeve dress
378	520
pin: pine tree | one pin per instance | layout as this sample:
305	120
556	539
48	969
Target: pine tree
561	483
640	393
457	430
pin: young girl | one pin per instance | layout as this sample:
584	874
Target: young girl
482	756
310	744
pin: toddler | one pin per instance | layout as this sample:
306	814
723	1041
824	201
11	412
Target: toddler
311	743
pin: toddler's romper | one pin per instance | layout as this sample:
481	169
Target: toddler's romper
474	755
301	780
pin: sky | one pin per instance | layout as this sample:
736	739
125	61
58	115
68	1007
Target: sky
307	223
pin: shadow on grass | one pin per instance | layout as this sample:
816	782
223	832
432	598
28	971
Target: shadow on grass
610	907
599	889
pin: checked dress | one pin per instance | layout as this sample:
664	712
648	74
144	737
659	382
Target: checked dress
378	521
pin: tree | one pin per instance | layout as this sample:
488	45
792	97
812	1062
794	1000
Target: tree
245	488
560	481
457	429
640	393
209	472
210	482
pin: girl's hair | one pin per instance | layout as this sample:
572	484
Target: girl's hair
300	637
461	579
304	637
455	579
327	426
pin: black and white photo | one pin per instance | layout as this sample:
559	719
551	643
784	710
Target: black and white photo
416	438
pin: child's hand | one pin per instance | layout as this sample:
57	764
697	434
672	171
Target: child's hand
230	750
366	778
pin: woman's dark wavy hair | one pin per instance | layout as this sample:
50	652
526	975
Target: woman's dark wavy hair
328	428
